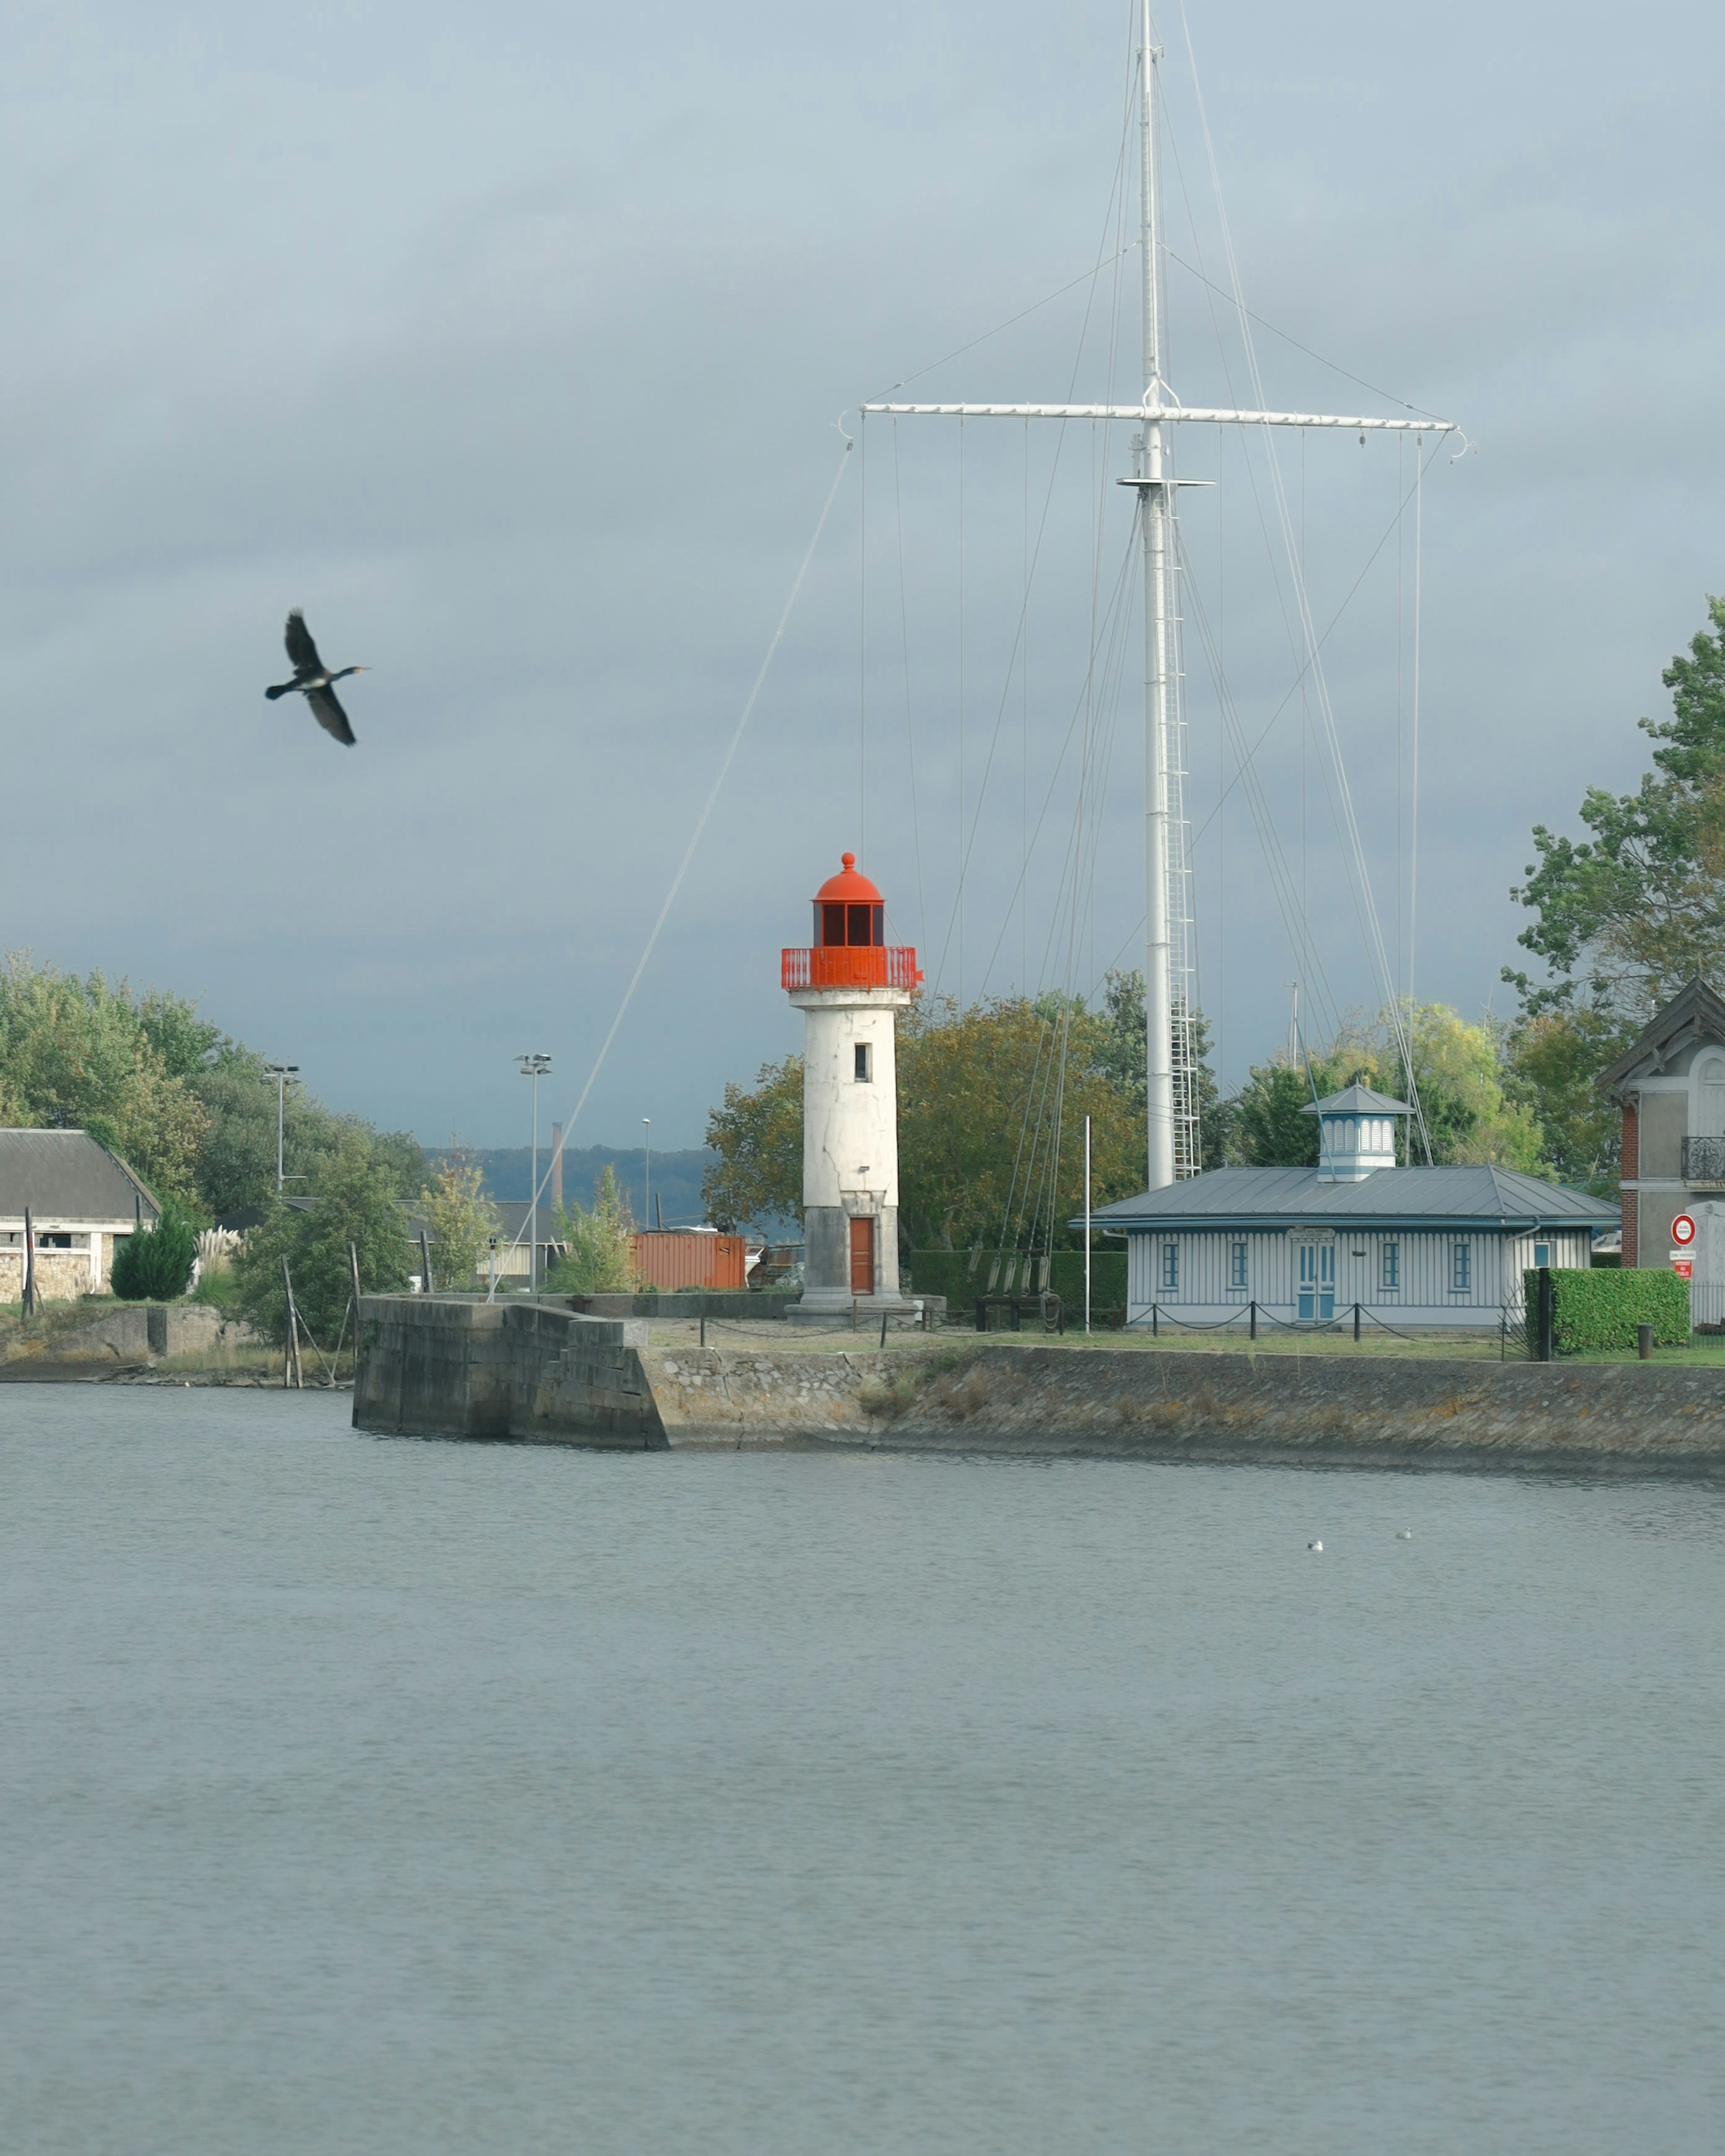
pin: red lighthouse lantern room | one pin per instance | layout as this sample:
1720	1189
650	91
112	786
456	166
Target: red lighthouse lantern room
850	949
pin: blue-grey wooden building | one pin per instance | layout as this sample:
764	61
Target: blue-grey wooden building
1414	1246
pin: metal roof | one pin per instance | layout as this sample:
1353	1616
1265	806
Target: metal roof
1356	1099
66	1175
1393	1197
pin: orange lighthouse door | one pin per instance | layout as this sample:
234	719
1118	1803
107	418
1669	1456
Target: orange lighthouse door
862	1257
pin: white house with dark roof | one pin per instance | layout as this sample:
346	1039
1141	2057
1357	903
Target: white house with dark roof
1412	1246
80	1198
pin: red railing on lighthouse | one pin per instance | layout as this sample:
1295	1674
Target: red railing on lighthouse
851	966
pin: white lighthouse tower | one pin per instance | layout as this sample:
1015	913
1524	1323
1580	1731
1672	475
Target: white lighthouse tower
847	984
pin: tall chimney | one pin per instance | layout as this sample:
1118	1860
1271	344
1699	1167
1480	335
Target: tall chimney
556	1164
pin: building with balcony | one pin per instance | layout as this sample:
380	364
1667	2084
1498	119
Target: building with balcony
1669	1085
1415	1248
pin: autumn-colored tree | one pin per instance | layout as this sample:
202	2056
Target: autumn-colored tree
459	1219
599	1242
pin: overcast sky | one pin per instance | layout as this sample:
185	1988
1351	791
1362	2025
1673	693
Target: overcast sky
509	343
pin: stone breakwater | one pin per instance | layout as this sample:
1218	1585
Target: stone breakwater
530	1373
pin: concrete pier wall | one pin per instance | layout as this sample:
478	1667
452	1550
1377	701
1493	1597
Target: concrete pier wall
513	1369
529	1372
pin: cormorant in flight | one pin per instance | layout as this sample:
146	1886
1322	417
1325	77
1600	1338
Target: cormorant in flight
314	681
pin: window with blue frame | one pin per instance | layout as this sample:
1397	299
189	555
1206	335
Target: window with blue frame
1236	1264
1461	1268
1389	1271
1170	1265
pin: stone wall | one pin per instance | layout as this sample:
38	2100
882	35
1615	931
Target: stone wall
120	1336
524	1372
61	1276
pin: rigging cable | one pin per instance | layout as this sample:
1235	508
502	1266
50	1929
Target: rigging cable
1353	853
695	836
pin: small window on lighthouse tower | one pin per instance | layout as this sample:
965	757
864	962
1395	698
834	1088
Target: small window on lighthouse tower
865	1063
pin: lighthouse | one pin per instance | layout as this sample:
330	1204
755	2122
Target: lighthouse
849	985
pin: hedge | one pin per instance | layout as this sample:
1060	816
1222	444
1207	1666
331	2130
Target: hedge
1600	1309
949	1273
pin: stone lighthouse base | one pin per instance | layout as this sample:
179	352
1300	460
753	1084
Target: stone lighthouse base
829	1309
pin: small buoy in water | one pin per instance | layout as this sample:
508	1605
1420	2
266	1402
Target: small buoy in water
1315	1546
1404	1534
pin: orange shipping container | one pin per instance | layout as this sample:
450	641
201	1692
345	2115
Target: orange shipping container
670	1259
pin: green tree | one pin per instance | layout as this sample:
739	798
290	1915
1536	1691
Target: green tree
1473	1113
1553	1059
1123	1058
1269	1126
154	1264
601	1244
78	1054
459	1219
1625	916
1470	1115
991	1100
356	1202
757	1142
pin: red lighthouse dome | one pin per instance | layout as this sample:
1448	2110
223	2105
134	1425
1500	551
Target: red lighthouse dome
850	950
848	909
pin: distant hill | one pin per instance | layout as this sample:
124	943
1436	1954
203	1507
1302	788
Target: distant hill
676	1176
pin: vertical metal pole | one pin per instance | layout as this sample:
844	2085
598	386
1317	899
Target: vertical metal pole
647	1170
281	1107
1154	494
1086	1227
533	1198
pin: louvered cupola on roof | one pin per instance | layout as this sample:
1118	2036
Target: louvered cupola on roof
1356	1133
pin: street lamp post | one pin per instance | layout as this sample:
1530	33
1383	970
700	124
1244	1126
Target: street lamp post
280	1072
647	1186
534	1067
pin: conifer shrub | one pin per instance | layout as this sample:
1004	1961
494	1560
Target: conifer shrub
1596	1310
154	1264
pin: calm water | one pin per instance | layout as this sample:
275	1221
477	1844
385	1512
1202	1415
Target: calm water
361	1794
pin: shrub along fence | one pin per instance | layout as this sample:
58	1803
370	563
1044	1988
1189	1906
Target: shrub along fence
951	1274
1600	1309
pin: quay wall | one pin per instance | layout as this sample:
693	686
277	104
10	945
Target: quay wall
118	1336
527	1371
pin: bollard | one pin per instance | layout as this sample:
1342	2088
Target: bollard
1356	1325
883	1329
703	1328
1643	1342
982	1307
852	1313
1154	1323
1252	1321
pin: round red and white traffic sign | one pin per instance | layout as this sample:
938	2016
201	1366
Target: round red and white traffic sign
1682	1231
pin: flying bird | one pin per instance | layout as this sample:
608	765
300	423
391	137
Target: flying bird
314	681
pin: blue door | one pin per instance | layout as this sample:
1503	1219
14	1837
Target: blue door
1317	1280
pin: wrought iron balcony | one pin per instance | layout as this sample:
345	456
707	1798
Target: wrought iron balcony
1704	1161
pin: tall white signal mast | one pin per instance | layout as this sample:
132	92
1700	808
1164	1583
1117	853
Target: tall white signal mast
1169	930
